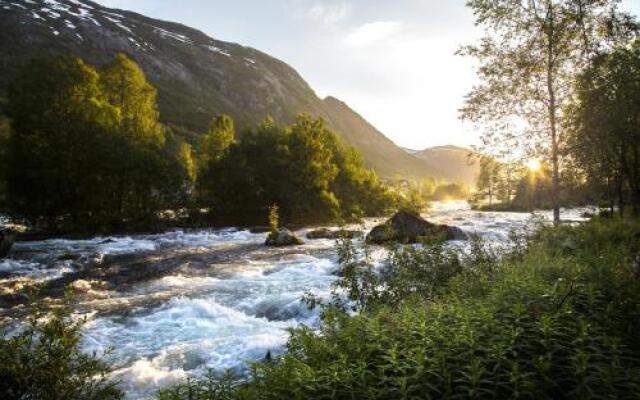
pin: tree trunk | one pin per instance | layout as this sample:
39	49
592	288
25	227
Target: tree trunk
620	196
552	108
610	196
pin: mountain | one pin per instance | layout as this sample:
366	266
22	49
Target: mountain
197	77
451	163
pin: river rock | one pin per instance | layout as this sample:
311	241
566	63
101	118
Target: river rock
405	227
7	237
325	233
281	238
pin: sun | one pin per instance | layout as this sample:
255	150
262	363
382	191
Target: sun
533	164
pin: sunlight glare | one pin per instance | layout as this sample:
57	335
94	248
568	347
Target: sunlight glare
533	164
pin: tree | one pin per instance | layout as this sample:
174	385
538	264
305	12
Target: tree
489	177
216	141
61	120
529	56
126	88
605	135
138	146
533	190
87	152
5	137
313	169
303	168
178	172
186	160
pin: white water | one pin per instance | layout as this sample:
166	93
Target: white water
225	315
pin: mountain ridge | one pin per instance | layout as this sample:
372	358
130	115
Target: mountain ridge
462	164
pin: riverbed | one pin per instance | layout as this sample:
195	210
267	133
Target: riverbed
183	301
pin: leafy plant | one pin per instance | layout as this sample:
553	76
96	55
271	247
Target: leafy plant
44	361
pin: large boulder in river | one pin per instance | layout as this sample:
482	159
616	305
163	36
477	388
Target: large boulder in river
282	237
326	233
7	237
405	227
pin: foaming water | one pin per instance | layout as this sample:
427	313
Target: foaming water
235	321
49	259
217	312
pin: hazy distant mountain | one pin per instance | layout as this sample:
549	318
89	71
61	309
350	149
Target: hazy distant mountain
197	77
452	163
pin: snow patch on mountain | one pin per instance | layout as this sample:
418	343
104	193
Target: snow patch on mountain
50	13
172	35
118	23
112	14
81	4
218	50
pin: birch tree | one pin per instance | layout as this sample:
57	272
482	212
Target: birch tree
529	56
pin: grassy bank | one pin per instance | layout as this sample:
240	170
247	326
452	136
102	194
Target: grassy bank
558	318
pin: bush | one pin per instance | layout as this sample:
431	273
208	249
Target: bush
44	361
212	387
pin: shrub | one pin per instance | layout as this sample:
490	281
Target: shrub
44	361
212	387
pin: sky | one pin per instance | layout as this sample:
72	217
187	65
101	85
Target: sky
393	62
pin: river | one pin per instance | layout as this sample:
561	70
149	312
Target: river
222	299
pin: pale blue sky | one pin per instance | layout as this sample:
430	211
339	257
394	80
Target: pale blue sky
391	61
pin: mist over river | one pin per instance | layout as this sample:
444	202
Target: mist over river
180	302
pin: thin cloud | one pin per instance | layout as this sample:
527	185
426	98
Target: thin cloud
329	14
372	32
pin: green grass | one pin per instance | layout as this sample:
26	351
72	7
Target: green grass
556	319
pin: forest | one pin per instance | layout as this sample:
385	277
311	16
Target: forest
83	151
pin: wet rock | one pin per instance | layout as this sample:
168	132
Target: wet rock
283	237
455	233
325	233
7	238
405	227
13	299
69	257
